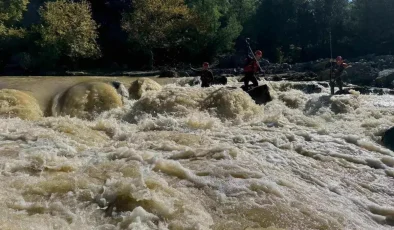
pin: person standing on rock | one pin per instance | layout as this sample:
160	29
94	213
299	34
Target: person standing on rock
251	68
338	69
206	75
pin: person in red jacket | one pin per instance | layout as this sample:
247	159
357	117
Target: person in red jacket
251	68
338	70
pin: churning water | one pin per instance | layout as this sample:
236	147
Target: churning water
184	157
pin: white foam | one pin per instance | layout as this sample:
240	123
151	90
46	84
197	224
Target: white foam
193	158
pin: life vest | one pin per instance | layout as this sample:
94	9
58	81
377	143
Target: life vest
251	65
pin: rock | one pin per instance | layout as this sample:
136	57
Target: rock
324	84
76	73
388	139
361	90
303	76
306	87
264	62
385	78
295	76
226	72
183	74
260	94
313	88
221	80
366	90
121	89
286	66
169	74
361	73
139	87
276	78
195	81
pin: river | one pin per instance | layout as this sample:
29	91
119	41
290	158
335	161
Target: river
192	158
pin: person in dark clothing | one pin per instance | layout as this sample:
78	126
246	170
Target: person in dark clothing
338	69
251	68
206	75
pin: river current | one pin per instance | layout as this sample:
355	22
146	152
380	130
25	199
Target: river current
191	158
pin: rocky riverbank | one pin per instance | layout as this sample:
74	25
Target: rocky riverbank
367	71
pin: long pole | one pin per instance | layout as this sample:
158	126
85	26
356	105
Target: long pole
251	51
331	83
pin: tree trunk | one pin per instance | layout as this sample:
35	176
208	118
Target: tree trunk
151	59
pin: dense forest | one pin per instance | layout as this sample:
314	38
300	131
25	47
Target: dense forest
39	35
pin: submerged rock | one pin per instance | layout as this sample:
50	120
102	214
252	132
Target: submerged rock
388	139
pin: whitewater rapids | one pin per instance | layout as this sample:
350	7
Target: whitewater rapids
197	159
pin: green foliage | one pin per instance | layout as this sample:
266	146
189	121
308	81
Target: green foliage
12	10
67	32
12	37
171	31
217	24
153	22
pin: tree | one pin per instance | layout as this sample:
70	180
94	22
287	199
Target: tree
152	24
67	32
11	35
373	26
217	24
11	11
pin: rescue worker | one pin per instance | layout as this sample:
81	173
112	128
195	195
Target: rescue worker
338	69
251	68
206	75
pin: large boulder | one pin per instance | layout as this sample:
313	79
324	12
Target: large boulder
388	138
385	78
139	87
260	94
220	80
361	73
15	103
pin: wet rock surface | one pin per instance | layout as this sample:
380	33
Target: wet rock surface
388	138
260	94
